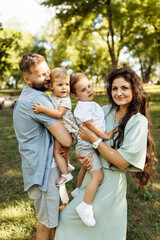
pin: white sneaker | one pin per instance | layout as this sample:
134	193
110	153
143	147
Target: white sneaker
86	215
70	167
75	192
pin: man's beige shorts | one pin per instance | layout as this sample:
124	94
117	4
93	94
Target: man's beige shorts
47	203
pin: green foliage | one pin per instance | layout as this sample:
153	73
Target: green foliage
13	44
93	16
6	42
133	24
144	38
82	52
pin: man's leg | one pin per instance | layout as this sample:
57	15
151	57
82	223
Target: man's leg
43	233
53	233
46	206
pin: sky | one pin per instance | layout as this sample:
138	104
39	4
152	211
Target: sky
29	14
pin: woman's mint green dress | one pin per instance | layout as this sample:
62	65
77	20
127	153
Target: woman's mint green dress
109	205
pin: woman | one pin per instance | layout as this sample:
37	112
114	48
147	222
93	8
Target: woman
131	149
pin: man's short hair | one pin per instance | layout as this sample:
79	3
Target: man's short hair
28	60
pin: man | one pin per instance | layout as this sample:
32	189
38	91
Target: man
35	133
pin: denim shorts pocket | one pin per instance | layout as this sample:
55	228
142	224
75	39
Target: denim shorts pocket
34	193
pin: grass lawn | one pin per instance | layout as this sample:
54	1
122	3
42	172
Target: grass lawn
17	217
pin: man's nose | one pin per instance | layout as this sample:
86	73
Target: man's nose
47	76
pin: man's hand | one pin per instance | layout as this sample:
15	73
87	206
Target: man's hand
63	151
86	162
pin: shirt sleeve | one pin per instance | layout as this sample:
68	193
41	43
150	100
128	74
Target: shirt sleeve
41	117
83	111
134	146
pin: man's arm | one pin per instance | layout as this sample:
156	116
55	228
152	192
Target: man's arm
60	133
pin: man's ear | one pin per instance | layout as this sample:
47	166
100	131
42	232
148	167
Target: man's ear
74	95
27	80
50	87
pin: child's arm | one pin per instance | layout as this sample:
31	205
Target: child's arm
55	113
98	131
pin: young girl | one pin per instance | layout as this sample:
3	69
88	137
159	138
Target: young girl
60	85
92	115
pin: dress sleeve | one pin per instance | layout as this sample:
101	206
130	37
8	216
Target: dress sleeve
65	102
134	146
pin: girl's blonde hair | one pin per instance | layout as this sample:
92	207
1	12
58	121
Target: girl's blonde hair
58	72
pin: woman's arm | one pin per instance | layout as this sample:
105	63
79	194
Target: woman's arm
55	113
110	154
97	130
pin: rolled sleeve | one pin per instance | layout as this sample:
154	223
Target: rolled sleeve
134	146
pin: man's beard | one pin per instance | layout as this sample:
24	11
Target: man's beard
40	88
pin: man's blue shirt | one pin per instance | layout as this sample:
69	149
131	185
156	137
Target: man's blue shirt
35	141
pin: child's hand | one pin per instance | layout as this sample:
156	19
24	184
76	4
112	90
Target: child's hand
38	108
111	134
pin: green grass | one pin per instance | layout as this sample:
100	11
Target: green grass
17	216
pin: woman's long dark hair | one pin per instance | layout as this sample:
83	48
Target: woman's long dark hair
139	104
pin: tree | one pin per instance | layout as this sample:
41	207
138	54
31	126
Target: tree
6	42
143	40
146	54
83	52
13	44
117	23
109	18
151	15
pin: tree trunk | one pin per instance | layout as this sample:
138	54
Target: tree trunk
110	37
145	72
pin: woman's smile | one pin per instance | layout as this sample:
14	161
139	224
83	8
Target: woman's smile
122	93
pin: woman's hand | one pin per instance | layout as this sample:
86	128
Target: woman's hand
87	134
85	162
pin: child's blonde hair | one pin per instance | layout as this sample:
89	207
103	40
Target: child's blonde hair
58	72
74	78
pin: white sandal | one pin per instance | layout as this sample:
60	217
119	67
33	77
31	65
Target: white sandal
64	179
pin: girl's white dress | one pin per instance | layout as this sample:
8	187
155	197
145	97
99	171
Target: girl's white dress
68	118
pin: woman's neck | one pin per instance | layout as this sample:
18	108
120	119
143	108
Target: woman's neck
120	113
